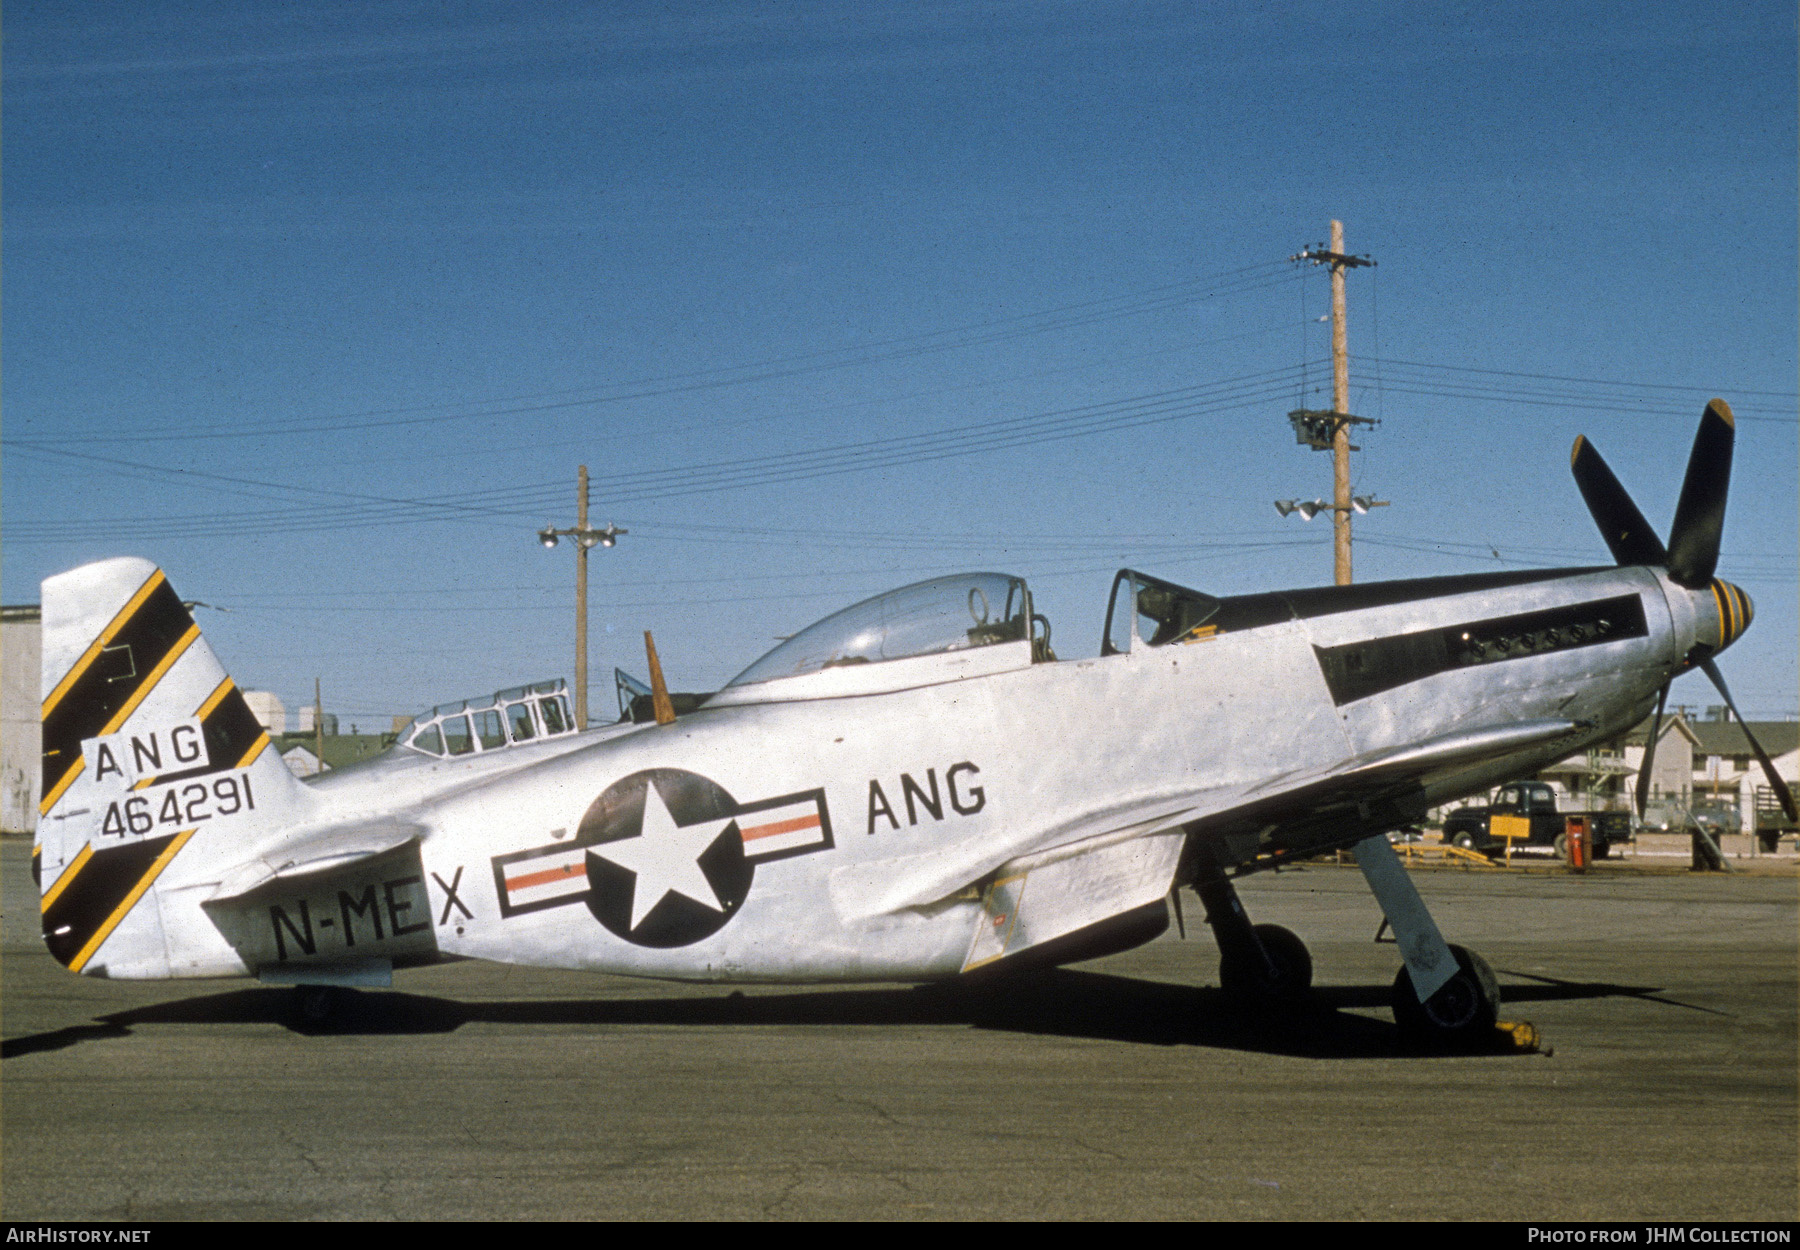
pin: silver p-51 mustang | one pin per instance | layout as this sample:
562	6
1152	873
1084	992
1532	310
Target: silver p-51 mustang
914	788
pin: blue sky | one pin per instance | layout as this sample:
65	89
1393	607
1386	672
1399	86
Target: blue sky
320	306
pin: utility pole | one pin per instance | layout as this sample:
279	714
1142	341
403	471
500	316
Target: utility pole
1332	429
581	635
1340	404
584	538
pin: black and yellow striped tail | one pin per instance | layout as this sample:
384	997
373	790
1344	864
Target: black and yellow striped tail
148	747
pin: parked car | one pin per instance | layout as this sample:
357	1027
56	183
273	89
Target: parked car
1717	817
1529	808
1664	816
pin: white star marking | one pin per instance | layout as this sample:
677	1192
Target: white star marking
665	857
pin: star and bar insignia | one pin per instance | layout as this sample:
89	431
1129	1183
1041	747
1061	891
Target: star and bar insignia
663	857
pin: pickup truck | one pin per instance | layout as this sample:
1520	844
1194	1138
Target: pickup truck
1772	824
1527	810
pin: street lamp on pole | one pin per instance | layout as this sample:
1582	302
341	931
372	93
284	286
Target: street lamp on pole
1310	508
584	538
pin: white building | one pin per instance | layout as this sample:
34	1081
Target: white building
21	739
268	710
306	726
1724	767
300	761
1676	749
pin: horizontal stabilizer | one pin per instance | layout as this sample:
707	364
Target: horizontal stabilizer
312	855
343	902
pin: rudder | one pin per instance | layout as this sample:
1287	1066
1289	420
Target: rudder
150	753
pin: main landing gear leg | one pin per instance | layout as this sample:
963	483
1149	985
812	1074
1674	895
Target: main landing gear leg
1445	996
1261	966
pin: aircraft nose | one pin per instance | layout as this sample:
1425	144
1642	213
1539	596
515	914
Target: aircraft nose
1731	612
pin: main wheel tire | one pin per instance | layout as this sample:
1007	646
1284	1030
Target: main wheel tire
1562	846
1460	1015
1465	839
1255	987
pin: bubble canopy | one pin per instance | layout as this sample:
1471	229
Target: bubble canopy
946	614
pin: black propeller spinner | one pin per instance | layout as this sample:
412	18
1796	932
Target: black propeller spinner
1690	558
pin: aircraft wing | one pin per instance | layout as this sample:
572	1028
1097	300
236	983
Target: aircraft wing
1080	873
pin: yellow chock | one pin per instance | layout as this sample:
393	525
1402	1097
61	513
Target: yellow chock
1520	1036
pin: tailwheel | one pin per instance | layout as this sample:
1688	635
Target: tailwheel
317	1006
1282	979
1460	1016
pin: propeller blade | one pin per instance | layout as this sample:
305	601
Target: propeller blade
1643	781
1776	784
1700	514
1626	532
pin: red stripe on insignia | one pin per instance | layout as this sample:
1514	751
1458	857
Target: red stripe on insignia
780	826
547	877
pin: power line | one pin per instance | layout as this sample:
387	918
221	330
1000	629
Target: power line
1068	316
503	505
899	450
1614	382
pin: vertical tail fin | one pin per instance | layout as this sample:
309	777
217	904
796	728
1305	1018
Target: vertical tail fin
150	754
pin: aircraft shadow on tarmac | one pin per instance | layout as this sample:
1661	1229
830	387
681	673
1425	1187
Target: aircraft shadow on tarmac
1062	1003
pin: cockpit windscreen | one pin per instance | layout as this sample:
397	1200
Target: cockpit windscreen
945	614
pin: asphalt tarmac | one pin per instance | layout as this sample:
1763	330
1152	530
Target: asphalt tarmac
1124	1088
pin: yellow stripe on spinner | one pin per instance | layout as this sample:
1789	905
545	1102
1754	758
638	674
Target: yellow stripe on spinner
131	900
106	635
68	874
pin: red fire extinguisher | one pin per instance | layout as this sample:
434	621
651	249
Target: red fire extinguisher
1580	846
